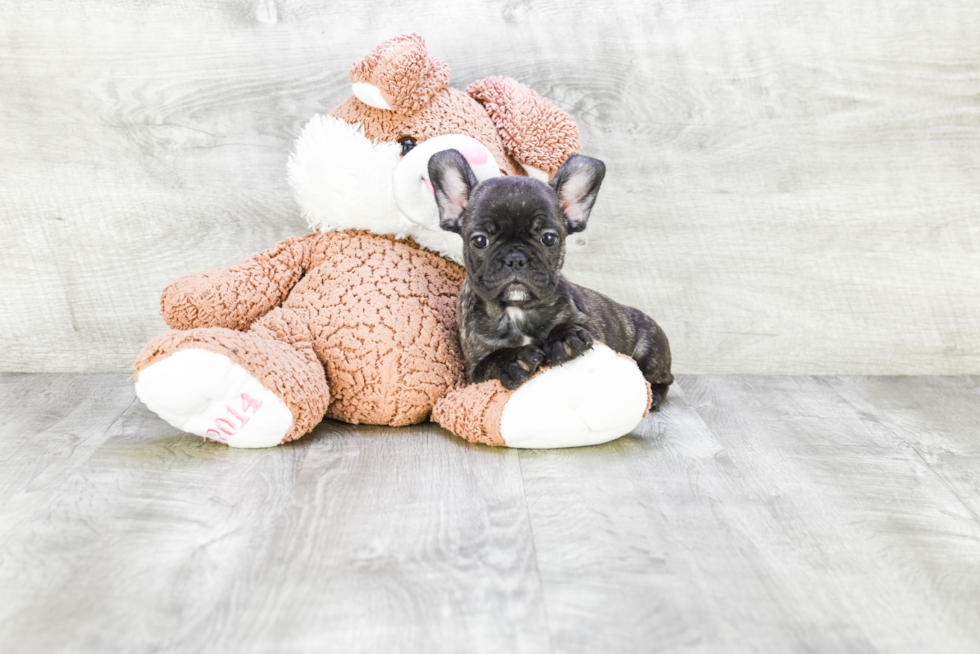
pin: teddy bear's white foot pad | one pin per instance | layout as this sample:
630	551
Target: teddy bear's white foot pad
592	399
207	394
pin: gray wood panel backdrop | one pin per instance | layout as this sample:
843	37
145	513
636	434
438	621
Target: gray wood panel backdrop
792	187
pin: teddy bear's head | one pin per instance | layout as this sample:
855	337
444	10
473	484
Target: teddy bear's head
365	164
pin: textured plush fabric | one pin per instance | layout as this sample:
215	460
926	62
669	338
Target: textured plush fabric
384	316
235	297
404	72
473	412
450	112
292	373
533	131
378	313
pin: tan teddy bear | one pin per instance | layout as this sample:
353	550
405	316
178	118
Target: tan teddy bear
357	321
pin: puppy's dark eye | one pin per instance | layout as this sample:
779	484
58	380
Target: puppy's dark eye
407	144
479	241
549	239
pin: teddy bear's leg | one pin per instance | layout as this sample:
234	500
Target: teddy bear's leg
246	389
595	398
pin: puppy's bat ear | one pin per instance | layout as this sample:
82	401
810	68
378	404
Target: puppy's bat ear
577	185
452	182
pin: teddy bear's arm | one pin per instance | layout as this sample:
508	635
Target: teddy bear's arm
537	134
236	296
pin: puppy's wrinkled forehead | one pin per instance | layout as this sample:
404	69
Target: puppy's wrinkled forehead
517	203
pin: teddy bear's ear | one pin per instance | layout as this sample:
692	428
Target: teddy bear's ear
399	75
537	134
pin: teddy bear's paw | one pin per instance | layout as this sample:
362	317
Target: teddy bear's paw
592	399
207	394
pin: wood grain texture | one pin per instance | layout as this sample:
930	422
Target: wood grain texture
751	514
850	505
790	190
765	514
51	423
352	539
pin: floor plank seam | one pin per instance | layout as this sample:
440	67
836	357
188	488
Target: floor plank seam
898	435
534	552
754	513
74	448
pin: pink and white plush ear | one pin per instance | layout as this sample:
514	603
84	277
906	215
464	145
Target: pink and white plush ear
399	75
452	182
537	134
577	185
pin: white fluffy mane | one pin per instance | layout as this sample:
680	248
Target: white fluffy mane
344	180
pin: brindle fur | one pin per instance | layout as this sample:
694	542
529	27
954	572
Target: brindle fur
516	310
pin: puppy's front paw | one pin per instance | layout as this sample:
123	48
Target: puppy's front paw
565	342
525	363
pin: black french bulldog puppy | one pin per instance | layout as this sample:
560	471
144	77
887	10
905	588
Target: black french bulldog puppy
516	311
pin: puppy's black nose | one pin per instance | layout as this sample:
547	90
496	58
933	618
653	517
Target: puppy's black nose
515	260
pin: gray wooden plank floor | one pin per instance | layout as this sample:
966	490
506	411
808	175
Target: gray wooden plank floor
752	514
